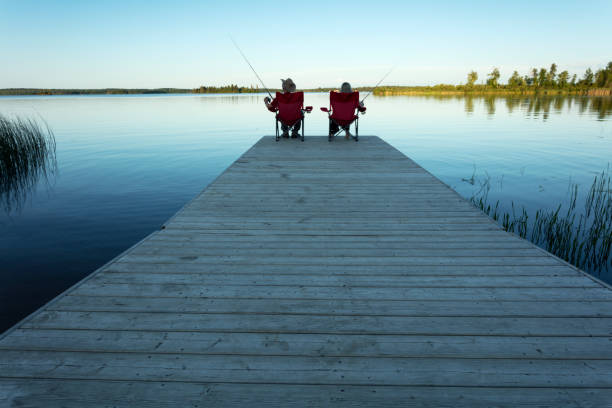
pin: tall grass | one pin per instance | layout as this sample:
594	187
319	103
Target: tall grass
582	237
27	155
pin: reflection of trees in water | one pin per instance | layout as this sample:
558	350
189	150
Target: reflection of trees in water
511	103
543	106
603	107
583	103
27	154
490	104
537	106
469	104
558	103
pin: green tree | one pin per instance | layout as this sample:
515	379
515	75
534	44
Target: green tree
542	76
552	73
492	81
573	82
515	80
562	79
472	77
588	77
601	77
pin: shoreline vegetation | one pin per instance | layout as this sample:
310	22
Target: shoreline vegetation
580	235
538	81
27	154
229	89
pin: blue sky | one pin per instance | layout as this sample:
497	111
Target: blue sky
132	44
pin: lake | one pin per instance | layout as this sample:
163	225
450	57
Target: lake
128	163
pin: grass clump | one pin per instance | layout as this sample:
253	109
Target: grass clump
582	237
27	154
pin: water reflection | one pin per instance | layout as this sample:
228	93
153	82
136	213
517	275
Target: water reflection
543	106
27	155
535	106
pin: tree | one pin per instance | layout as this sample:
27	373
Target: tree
588	77
493	78
550	77
515	80
534	77
562	79
573	80
601	77
472	77
542	75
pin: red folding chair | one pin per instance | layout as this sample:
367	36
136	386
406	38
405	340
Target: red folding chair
342	112
289	109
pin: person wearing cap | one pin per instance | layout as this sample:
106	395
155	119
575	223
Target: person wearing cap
272	104
334	128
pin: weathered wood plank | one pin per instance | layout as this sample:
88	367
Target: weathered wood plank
307	370
443	236
34	393
346	292
315	345
276	323
279	245
379	253
340	260
204	279
324	270
355	307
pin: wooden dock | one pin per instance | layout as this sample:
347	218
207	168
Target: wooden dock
320	274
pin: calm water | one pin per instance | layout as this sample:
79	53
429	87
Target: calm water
127	163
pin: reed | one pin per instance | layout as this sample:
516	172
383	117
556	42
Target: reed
582	237
27	155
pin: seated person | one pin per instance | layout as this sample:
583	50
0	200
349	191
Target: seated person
272	105
334	128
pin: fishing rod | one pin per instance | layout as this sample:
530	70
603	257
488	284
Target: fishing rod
253	69
382	79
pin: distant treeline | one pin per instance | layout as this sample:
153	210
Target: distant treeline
251	89
227	89
103	91
536	81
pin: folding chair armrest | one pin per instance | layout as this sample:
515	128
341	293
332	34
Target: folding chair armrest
272	109
308	109
361	109
325	110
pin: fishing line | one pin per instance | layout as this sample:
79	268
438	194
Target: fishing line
382	79
253	69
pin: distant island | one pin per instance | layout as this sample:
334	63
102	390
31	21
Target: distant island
538	81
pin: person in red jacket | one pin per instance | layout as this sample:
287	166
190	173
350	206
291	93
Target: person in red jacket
334	128
272	104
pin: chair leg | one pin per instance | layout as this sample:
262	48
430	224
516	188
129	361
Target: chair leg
357	129
276	120
329	133
302	128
